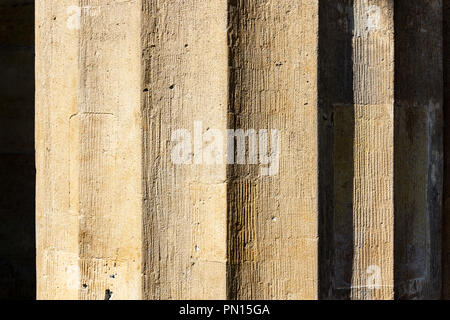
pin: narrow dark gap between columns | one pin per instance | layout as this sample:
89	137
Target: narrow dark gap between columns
446	196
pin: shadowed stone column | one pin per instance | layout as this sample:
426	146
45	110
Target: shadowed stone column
446	197
418	145
356	98
387	147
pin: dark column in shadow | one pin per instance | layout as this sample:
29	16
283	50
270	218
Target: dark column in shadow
418	149
17	170
446	197
336	142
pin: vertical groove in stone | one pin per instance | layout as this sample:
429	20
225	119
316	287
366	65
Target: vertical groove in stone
273	220
87	141
418	148
184	83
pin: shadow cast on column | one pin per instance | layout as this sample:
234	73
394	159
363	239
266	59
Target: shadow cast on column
336	148
418	149
446	197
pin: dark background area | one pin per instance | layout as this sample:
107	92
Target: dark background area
17	169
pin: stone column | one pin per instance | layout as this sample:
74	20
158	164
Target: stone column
373	149
88	145
381	75
418	143
356	94
273	216
184	106
117	216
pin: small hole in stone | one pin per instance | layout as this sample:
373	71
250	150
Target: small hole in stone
145	90
85	286
172	86
108	294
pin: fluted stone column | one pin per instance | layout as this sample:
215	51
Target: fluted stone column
184	96
381	80
239	149
356	90
88	144
273	219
